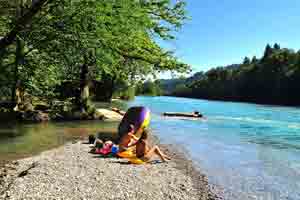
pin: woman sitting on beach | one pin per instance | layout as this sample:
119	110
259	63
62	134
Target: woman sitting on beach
128	140
145	153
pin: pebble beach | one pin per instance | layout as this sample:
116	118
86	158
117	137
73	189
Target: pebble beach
71	172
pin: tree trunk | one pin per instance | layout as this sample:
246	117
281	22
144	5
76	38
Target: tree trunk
17	91
84	88
112	87
19	96
18	58
21	22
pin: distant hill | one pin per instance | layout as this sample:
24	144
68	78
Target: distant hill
272	79
196	76
169	85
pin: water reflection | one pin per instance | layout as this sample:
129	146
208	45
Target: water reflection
21	140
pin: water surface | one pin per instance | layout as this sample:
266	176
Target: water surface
252	151
19	140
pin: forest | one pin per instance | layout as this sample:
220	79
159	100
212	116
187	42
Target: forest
70	51
272	79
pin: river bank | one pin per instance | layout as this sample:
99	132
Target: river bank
58	111
70	172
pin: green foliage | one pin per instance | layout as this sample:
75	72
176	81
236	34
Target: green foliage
181	89
150	88
126	94
116	39
273	79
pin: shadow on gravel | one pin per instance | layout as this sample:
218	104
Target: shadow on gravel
128	163
121	162
85	142
103	157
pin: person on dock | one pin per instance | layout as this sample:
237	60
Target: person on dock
145	153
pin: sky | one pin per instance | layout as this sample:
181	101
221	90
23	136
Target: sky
223	32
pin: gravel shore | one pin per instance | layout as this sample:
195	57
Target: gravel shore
70	172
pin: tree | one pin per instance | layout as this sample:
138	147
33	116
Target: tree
21	22
254	60
25	66
268	52
92	39
151	88
276	46
143	18
246	61
273	79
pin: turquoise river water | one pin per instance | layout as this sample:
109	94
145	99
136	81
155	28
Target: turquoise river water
250	151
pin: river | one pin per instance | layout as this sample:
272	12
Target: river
251	151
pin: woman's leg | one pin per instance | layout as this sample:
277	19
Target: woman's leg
167	157
158	151
155	150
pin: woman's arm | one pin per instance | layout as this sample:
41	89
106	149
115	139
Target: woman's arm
132	142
